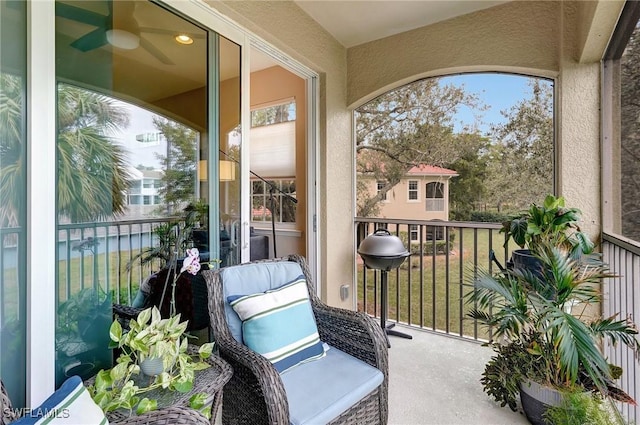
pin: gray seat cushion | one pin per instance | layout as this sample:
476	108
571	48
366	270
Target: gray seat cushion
321	390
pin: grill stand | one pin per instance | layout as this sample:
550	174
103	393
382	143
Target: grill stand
384	305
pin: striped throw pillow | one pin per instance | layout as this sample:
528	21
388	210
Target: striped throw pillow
279	324
71	404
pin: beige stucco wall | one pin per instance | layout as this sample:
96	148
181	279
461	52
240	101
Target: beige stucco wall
562	40
521	36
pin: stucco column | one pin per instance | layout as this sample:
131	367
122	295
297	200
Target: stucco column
578	175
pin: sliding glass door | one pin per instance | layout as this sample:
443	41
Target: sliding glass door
13	183
140	126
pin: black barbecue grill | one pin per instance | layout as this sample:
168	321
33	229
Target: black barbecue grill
383	251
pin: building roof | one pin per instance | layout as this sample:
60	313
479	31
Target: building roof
431	170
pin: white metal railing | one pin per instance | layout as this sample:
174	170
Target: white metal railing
622	297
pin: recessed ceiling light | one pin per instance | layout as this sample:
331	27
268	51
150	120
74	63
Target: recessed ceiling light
184	39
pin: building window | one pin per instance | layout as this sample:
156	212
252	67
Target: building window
435	196
413	232
273	141
284	112
147	200
380	184
285	209
413	190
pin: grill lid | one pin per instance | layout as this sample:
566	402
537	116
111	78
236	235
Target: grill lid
382	244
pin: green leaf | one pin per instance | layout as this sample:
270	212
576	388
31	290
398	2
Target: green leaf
119	371
205	350
144	316
184	386
115	331
198	400
103	380
146	405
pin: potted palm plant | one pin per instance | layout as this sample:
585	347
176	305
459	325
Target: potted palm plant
546	337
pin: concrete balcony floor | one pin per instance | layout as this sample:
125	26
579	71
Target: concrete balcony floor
434	379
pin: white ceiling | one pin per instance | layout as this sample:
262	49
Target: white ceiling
356	22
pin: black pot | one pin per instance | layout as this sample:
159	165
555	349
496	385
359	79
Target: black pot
524	259
383	251
536	399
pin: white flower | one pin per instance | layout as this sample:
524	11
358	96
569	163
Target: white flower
191	262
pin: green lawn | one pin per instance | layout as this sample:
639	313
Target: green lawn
110	274
432	296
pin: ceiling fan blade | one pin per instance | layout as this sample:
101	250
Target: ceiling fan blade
80	15
169	32
92	40
155	52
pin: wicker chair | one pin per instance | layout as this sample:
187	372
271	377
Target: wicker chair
256	393
174	415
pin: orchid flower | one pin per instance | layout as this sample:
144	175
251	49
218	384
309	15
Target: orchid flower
191	262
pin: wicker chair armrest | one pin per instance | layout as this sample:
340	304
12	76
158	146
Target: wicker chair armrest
260	383
355	333
174	415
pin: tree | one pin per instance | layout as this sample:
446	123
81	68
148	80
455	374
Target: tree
403	128
12	150
468	188
179	165
92	167
520	167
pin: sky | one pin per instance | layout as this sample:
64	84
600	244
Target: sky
499	91
140	122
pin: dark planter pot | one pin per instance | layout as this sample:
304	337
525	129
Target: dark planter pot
524	259
536	399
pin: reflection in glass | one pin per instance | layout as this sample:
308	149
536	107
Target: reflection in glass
132	111
13	31
230	138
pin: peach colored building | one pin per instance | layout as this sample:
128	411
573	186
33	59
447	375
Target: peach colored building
422	195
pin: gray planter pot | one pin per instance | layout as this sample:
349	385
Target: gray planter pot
152	366
536	399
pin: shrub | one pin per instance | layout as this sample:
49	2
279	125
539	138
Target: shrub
489	216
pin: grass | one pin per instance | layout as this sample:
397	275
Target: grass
78	273
430	292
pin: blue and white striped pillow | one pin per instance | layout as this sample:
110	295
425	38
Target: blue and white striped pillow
279	324
71	404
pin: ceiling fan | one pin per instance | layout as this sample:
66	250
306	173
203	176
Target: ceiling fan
122	32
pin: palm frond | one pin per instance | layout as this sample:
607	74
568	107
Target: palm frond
577	348
617	331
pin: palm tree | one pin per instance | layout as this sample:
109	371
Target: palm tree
12	149
92	173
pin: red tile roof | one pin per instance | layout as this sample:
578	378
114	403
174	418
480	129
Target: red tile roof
431	170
